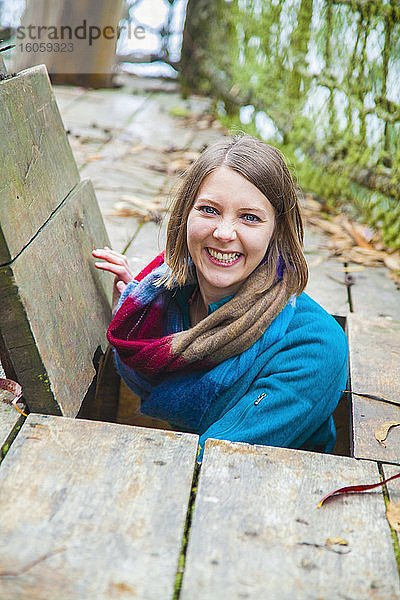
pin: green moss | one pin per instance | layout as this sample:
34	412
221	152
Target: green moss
4	450
44	379
395	539
13	434
179	111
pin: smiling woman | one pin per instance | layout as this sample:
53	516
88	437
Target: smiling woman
228	232
216	335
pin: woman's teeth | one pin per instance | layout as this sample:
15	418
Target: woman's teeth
227	257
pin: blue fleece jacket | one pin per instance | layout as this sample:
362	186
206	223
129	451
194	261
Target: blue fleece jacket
279	394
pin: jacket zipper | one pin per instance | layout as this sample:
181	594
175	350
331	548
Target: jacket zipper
242	415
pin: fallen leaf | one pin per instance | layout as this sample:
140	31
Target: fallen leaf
337	540
124	209
392	262
393	514
382	432
179	165
95	157
317	261
354	489
328	226
145	204
350	269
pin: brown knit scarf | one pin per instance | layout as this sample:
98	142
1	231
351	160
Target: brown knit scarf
236	325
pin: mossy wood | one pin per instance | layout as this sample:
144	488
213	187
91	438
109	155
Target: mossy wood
55	306
374	367
37	167
106	507
259	533
9	418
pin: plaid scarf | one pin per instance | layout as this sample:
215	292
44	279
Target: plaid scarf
147	334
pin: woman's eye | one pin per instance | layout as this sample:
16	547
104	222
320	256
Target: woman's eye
251	218
208	210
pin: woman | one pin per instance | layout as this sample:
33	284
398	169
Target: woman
218	338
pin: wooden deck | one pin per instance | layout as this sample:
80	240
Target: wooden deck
94	510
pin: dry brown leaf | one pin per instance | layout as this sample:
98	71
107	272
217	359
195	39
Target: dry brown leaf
336	540
190	155
395	276
181	162
177	166
393	514
363	256
311	203
356	234
369	253
339	245
136	149
145	204
328	226
95	157
382	432
123	209
317	261
392	261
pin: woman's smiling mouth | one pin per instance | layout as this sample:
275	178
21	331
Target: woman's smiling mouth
225	259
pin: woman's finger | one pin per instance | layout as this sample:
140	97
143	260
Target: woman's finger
123	273
121	286
111	256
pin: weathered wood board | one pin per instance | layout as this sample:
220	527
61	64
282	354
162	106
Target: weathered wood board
374	367
37	167
9	417
55	306
102	109
256	531
393	487
93	511
330	293
374	295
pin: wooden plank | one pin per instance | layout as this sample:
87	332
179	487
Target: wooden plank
55	306
328	292
37	167
102	109
393	489
256	531
374	367
9	418
102	517
375	295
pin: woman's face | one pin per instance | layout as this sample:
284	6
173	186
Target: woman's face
228	231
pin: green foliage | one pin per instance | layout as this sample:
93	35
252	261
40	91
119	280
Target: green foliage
327	74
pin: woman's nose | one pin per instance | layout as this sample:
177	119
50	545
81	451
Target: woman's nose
225	230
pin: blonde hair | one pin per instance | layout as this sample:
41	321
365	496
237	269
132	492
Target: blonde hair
264	166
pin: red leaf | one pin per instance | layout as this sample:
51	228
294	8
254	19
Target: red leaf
355	488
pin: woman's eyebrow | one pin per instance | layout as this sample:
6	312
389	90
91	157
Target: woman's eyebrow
206	199
253	209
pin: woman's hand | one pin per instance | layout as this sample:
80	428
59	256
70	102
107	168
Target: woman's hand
117	264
